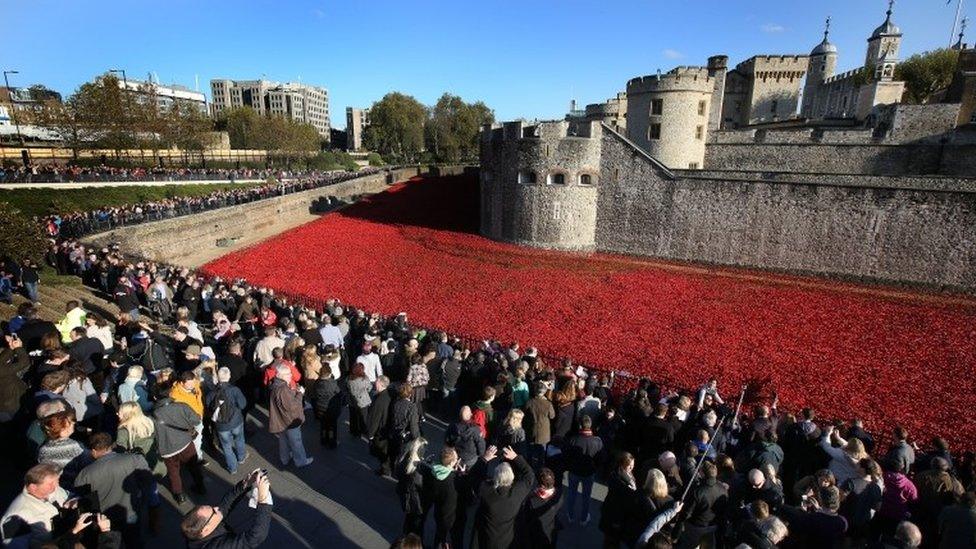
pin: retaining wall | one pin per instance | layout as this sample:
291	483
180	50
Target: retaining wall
196	239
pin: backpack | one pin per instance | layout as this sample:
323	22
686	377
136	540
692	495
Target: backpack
480	418
221	409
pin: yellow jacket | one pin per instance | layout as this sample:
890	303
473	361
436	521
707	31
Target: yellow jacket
72	319
194	400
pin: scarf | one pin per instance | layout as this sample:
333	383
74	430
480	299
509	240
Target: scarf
545	493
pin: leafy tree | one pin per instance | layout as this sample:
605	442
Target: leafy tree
926	73
21	237
375	159
396	127
452	131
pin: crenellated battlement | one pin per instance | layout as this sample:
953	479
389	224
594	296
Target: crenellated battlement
545	129
684	78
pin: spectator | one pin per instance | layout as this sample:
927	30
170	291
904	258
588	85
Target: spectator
204	527
327	399
133	388
176	425
705	509
286	414
69	455
816	523
376	425
901	451
500	499
618	505
359	400
957	523
136	435
410	486
465	437
225	408
440	491
540	521
582	453
539	412
32	513
122	483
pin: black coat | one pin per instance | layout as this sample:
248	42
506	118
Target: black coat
707	503
618	506
88	352
404	420
32	331
540	520
379	412
442	495
466	440
327	397
494	520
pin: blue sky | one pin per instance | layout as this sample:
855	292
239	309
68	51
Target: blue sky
524	58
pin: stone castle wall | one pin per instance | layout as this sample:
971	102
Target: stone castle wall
912	236
954	159
195	239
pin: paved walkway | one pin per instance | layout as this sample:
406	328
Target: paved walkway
338	501
91	184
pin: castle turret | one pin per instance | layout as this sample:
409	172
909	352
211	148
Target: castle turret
668	115
823	63
718	67
883	45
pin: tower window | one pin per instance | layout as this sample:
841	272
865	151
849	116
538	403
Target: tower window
557	179
526	177
654	132
657	107
701	108
693	165
585	179
699	132
773	107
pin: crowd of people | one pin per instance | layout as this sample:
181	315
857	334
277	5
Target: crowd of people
76	224
70	173
112	410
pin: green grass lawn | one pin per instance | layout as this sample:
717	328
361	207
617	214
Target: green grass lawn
33	202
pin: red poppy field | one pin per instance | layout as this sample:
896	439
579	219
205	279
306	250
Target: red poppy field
887	355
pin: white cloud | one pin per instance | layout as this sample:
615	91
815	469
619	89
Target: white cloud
772	28
673	54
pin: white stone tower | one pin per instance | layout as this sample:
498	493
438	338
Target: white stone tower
823	63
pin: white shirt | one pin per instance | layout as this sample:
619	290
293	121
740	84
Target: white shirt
334	366
36	513
372	366
331	335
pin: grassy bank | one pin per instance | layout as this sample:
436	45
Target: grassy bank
33	202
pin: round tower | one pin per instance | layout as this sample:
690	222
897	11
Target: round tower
668	115
539	184
822	64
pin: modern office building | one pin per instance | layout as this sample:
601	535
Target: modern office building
296	101
356	122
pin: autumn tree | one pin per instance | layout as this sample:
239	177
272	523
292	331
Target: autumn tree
926	73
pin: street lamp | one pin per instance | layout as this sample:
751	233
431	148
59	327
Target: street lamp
125	89
13	109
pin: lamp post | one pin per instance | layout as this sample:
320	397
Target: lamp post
13	109
125	89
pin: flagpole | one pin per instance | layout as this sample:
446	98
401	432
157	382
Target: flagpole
955	22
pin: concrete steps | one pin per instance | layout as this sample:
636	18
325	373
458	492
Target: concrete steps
57	296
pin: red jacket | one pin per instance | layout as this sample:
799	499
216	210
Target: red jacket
271	372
